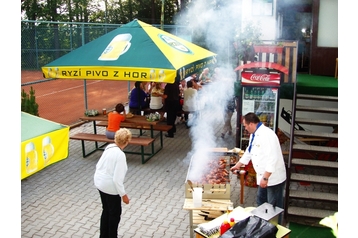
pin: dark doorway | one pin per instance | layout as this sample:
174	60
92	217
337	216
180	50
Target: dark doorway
323	59
297	25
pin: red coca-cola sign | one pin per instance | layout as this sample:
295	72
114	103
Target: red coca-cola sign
260	79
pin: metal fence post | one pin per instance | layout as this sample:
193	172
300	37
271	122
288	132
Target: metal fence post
84	81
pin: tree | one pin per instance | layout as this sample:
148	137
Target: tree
31	9
244	40
28	102
111	11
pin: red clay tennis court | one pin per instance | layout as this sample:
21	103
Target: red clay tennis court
63	100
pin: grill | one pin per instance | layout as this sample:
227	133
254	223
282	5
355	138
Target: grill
210	170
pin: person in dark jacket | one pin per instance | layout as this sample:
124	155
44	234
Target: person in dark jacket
229	111
172	105
138	99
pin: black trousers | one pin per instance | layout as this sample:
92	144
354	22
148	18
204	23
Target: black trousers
111	215
171	107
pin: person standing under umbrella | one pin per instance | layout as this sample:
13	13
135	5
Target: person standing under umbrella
156	97
172	105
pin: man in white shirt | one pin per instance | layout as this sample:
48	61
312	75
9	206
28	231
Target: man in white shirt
265	152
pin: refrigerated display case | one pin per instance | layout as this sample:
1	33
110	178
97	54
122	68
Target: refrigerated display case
263	101
260	93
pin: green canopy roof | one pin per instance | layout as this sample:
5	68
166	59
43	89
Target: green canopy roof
33	126
135	51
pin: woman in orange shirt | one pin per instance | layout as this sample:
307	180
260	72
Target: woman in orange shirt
114	120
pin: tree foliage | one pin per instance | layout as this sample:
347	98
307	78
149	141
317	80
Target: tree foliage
244	40
99	11
210	24
28	102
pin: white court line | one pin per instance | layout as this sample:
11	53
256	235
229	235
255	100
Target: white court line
67	89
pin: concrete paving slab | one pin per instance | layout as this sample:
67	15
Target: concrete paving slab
61	200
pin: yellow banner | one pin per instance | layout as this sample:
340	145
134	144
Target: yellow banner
44	150
110	73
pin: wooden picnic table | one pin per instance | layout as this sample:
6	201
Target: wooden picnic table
138	122
135	122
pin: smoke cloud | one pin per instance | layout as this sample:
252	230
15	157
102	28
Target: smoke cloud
214	23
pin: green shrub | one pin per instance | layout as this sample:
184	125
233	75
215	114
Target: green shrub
245	38
28	102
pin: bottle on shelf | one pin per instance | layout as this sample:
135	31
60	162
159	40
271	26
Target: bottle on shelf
271	107
257	93
251	94
272	96
262	93
246	94
265	94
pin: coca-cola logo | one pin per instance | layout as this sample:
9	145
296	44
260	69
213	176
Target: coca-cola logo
254	78
260	77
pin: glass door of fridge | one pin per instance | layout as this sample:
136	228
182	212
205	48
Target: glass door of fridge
263	101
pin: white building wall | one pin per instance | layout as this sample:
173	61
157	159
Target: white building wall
270	31
267	23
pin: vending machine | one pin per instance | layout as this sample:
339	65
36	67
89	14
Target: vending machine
260	93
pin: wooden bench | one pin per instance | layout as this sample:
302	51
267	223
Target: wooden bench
141	141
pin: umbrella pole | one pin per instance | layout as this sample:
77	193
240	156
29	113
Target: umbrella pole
85	92
84	82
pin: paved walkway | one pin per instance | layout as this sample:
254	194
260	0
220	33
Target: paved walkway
61	200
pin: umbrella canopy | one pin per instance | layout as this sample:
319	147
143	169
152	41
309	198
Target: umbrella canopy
135	51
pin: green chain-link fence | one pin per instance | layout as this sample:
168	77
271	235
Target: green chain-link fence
43	42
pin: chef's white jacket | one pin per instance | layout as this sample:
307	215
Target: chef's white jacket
266	155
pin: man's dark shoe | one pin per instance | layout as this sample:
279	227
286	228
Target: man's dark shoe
170	136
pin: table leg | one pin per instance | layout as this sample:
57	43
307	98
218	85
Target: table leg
242	175
152	136
95	132
151	131
191	227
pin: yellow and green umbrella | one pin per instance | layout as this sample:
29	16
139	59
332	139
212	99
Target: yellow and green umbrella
135	51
